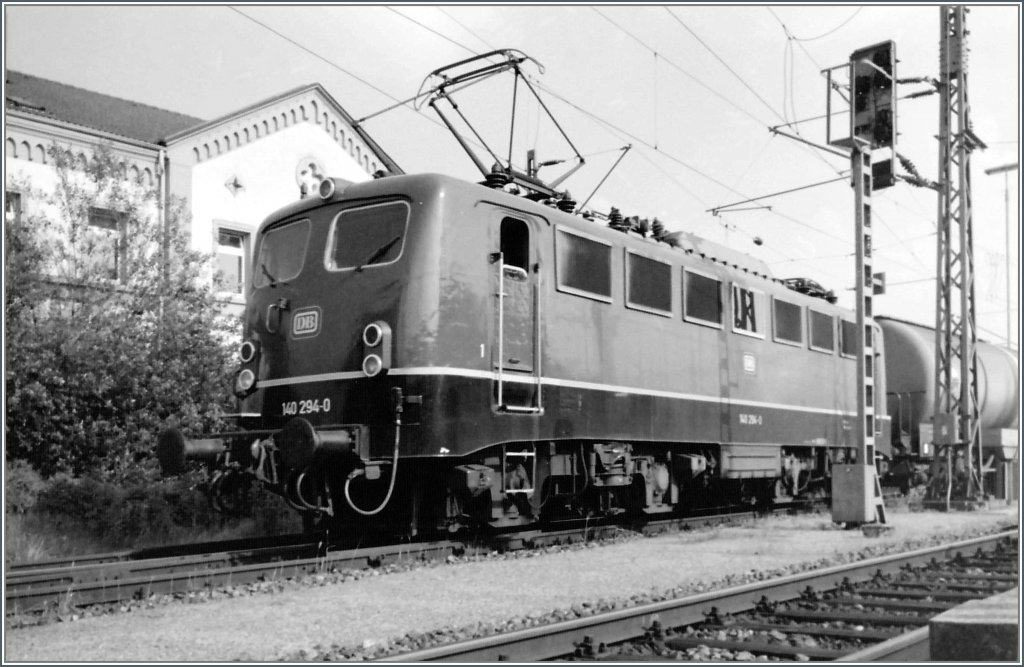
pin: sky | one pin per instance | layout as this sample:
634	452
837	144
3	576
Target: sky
693	89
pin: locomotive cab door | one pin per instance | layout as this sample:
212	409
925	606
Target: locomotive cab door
516	348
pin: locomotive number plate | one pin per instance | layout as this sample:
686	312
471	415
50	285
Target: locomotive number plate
310	407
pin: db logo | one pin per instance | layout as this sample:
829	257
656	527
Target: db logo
306	322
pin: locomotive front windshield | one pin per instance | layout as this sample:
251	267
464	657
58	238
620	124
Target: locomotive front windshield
367	236
281	254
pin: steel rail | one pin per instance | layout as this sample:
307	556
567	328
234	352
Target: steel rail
114	577
558	639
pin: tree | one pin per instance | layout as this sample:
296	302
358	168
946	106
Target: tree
111	325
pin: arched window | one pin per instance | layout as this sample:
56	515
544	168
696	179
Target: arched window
275	123
133	174
11	148
216	147
293	117
266	128
39	154
256	131
312	105
237	142
246	133
25	150
147	175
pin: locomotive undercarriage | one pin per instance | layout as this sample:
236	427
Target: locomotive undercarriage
522	483
322	475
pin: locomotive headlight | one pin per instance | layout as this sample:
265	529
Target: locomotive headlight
247	352
245	381
376	348
372	334
372	365
326	188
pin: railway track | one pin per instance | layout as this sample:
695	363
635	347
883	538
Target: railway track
872	610
118	576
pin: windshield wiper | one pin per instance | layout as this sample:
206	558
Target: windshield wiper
273	280
378	253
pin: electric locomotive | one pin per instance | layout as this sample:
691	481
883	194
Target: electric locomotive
423	354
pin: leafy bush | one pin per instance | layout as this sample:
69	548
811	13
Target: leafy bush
95	364
126	516
22	486
116	516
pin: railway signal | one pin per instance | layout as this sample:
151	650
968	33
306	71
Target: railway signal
871	140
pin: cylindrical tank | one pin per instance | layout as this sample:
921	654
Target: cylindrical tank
910	374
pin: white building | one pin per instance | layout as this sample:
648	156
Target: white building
232	171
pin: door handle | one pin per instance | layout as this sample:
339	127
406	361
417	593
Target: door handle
274	315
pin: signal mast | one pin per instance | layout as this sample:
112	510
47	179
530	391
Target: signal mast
871	140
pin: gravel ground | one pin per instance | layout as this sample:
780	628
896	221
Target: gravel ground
374	612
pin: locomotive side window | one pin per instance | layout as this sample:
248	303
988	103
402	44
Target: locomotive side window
748	312
583	265
789	323
515	243
648	284
282	252
702	298
367	236
848	338
823	337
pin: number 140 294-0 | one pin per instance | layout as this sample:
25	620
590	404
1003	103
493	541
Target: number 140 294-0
308	407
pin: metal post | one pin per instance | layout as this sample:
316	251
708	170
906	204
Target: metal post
1005	170
860	163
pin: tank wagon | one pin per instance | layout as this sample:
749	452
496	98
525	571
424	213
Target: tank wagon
422	353
910	367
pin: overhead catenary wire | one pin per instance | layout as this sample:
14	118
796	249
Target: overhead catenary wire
562	99
682	71
829	32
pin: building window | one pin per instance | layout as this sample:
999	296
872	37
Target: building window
583	265
748	311
823	337
789	323
109	231
12	207
648	284
232	250
702	298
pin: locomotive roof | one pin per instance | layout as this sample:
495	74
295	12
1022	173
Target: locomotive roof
426	185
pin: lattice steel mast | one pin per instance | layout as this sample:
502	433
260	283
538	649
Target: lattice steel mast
956	427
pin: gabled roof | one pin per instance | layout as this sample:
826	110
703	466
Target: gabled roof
392	166
59	101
